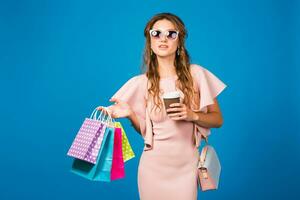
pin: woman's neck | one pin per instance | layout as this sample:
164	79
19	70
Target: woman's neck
166	66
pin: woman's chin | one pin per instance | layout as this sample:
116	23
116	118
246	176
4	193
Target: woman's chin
164	54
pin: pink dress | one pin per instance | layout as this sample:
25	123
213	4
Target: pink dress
168	165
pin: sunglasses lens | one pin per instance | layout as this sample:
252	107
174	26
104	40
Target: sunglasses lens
155	33
172	35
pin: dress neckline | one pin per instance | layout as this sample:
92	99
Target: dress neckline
169	77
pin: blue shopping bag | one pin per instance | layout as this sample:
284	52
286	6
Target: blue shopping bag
102	169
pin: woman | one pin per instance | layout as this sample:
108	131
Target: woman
168	164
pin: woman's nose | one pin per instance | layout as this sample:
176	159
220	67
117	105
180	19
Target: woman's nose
163	37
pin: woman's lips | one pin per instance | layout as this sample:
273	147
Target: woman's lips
163	46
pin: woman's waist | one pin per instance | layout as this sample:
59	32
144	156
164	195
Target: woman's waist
172	129
173	147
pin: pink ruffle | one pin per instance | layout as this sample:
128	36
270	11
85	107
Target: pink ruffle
210	87
134	93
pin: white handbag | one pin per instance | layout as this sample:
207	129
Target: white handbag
209	168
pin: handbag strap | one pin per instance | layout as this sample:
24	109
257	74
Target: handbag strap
205	138
203	155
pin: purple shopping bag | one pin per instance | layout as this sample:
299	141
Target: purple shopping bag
88	140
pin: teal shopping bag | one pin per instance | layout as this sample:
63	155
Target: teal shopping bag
103	172
102	169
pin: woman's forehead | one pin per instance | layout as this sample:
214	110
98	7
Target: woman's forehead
164	25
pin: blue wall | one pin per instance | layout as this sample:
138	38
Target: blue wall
60	59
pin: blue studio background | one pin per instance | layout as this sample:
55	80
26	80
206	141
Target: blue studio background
60	59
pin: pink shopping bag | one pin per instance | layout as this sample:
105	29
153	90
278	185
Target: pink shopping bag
117	170
88	140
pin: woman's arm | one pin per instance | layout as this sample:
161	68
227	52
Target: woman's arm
212	119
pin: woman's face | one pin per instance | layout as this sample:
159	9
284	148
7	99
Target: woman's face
162	45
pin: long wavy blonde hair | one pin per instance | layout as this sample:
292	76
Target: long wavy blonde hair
181	62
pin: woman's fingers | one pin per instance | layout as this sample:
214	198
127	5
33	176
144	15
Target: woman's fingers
117	110
110	109
99	108
114	100
176	105
178	114
103	109
179	118
178	109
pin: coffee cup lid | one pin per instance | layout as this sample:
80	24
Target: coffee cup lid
171	95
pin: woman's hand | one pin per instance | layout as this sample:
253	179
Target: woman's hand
182	112
119	109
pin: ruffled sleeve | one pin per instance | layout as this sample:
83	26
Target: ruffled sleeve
134	93
209	87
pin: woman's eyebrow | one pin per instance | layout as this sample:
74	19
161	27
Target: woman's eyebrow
169	29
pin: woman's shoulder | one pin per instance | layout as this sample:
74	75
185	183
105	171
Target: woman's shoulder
200	71
196	68
138	78
137	81
133	87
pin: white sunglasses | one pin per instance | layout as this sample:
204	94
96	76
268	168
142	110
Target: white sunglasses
158	34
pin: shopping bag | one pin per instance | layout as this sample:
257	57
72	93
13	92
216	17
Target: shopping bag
117	170
126	147
102	169
88	140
